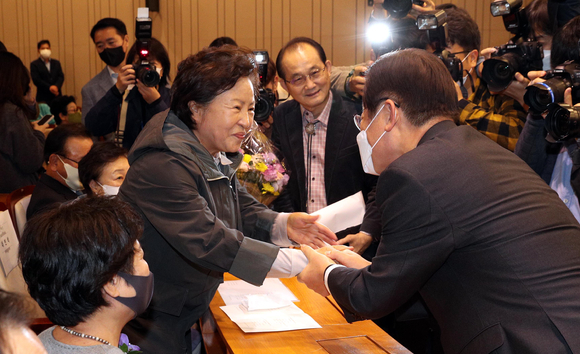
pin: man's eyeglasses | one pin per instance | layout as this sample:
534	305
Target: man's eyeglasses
68	158
300	80
358	118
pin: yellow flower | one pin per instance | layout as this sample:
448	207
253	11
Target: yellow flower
247	158
267	188
260	166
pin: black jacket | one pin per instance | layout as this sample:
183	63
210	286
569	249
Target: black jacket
103	117
343	172
43	79
490	247
47	193
195	217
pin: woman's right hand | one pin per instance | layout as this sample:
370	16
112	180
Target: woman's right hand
126	78
44	128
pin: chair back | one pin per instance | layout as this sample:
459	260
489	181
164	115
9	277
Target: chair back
17	203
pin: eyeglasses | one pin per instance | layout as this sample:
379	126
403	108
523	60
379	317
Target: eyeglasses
68	158
358	118
300	80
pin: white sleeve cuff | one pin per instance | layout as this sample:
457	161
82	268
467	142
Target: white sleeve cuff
279	234
327	272
288	264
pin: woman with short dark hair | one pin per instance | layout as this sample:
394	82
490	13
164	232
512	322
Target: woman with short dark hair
200	222
85	268
103	169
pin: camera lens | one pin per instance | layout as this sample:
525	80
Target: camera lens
398	8
264	105
147	74
540	95
562	122
499	72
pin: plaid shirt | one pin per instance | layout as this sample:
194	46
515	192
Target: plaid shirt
317	192
498	117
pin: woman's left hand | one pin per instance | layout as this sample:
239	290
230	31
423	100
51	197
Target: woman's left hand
150	94
303	228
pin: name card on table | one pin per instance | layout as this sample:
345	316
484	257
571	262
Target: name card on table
8	244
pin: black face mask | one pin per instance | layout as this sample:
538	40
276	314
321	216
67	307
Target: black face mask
113	56
143	286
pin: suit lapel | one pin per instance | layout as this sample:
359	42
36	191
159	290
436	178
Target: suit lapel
294	133
105	80
335	133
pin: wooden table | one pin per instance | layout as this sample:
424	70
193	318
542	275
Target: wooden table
336	336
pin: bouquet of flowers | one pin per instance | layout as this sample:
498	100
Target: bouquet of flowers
261	172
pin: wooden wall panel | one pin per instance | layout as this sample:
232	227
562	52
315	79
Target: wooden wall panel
186	26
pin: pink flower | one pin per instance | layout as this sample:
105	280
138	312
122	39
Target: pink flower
279	168
270	174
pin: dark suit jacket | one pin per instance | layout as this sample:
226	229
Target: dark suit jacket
47	192
343	172
43	79
493	251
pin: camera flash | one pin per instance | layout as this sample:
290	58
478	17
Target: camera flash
378	32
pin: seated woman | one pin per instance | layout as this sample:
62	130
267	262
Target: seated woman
103	169
142	102
85	268
65	110
199	221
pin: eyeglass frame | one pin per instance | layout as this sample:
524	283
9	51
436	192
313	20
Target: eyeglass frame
358	117
309	76
68	158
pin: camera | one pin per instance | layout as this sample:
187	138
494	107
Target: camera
266	98
539	96
390	34
400	8
498	71
144	70
435	25
514	17
563	121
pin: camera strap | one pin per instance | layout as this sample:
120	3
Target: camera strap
120	133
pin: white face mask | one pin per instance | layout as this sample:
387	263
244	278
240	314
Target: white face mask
109	190
45	53
546	61
366	150
158	71
72	180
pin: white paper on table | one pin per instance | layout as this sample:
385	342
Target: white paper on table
8	243
343	214
284	319
264	302
234	292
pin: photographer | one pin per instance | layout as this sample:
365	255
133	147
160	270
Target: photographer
497	116
555	161
138	101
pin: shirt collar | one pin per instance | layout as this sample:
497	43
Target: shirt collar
113	74
325	114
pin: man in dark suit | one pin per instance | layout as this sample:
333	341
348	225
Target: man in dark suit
65	146
316	135
46	74
491	249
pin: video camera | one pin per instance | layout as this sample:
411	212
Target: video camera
514	17
539	96
266	98
499	71
144	70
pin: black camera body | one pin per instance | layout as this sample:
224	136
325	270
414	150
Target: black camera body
144	70
266	98
400	8
499	71
539	96
563	121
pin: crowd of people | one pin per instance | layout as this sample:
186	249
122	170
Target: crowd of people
471	208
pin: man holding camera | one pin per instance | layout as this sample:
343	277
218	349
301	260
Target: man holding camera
496	260
317	137
497	116
141	91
